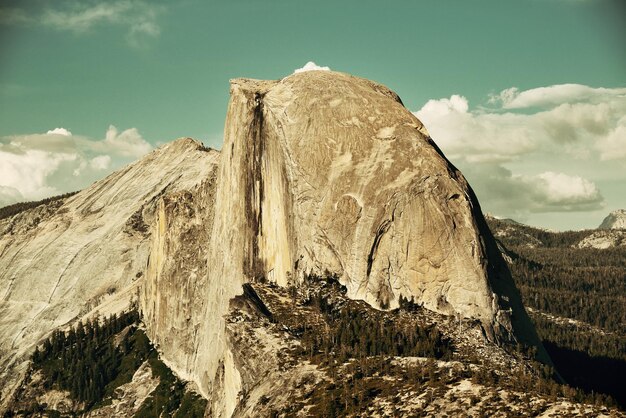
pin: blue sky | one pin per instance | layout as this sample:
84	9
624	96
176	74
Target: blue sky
125	75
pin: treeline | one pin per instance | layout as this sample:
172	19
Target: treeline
14	209
575	257
92	359
542	384
84	360
595	295
518	234
356	331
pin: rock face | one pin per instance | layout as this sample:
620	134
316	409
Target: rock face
603	239
59	263
615	220
323	171
320	172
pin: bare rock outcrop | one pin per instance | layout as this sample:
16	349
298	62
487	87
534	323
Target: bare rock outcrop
87	256
320	172
604	238
614	220
323	171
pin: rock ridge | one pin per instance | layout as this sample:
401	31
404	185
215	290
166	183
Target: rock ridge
615	220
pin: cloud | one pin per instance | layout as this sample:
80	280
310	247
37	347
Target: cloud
101	162
36	166
568	125
613	147
13	16
562	192
512	98
128	143
311	66
139	18
474	136
59	131
517	195
574	118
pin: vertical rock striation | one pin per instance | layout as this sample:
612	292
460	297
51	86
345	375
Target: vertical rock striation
320	172
323	171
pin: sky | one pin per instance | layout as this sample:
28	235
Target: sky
527	97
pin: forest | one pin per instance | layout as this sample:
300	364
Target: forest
87	361
358	346
14	209
562	284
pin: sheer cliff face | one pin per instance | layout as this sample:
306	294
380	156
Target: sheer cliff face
59	263
319	172
325	171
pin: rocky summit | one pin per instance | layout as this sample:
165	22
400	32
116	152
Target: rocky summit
614	220
324	181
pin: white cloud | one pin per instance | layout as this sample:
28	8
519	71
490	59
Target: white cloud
613	146
128	143
476	136
565	192
518	195
570	126
139	18
311	66
581	121
9	195
101	162
36	166
59	131
555	95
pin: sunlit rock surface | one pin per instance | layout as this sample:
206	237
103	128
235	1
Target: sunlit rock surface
323	171
320	172
90	253
615	220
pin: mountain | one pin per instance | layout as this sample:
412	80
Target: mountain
329	249
615	220
85	254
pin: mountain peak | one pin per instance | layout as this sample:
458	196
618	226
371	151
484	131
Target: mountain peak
322	174
615	220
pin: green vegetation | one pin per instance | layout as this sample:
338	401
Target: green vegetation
170	399
8	211
353	333
356	346
85	361
91	360
556	281
587	285
355	330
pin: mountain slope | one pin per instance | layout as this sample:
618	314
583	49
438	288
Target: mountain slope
324	172
321	174
60	261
